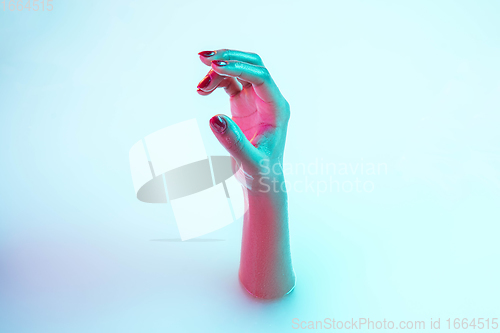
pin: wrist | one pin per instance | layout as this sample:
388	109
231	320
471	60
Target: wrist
268	185
265	179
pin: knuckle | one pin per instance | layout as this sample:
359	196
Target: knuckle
257	58
225	54
285	109
286	105
287	115
266	76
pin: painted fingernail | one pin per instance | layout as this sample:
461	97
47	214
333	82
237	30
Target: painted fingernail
205	82
218	124
219	63
206	54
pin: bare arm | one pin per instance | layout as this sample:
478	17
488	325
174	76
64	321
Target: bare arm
266	264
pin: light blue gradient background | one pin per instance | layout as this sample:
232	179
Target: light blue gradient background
415	85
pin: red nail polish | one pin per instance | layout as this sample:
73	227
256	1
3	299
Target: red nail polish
206	54
219	63
218	124
205	82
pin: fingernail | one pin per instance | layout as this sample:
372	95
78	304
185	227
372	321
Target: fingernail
218	124
206	54
205	82
219	63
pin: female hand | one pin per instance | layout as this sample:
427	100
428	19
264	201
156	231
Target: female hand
257	131
255	137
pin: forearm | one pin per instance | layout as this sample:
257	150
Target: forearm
255	134
266	266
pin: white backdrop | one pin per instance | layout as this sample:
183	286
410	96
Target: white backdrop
413	86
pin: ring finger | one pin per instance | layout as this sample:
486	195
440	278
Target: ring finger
213	81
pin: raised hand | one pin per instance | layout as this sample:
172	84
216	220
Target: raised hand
255	136
258	109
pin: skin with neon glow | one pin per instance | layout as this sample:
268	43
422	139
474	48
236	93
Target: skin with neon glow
255	136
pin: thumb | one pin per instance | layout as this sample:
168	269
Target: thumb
232	138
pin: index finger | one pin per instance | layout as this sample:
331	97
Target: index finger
225	54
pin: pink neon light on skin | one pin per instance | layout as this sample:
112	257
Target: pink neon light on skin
255	138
